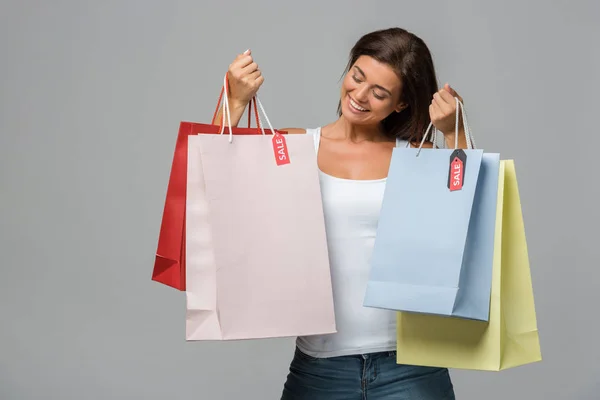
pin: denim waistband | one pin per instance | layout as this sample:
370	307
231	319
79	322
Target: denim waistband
365	356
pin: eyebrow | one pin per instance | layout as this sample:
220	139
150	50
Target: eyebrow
377	86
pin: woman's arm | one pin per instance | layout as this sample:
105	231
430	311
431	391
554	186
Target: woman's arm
236	111
443	115
244	79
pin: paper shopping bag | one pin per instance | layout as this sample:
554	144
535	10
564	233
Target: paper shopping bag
257	257
510	339
434	246
169	265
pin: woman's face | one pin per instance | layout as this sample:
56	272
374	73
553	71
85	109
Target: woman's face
370	92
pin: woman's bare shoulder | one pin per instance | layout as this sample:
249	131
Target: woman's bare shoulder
294	130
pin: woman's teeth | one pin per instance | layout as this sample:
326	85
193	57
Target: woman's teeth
356	106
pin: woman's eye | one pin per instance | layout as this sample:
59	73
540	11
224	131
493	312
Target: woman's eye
355	78
377	96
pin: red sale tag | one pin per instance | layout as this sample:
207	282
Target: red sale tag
456	174
280	148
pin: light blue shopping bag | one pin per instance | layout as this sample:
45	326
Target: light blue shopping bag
433	252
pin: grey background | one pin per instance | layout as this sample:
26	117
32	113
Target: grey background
92	93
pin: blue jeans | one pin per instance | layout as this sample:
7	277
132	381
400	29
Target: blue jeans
374	376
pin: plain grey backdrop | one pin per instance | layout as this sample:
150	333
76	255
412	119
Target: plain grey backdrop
91	95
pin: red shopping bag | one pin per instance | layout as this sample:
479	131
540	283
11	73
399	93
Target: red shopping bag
169	264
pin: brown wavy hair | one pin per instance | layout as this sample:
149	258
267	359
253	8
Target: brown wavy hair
410	58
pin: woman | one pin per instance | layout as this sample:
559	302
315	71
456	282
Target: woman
389	96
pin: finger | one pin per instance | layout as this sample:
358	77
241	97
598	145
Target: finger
453	92
450	90
259	81
447	97
255	75
250	68
242	62
242	55
239	57
442	105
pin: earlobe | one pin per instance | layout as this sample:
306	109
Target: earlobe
400	107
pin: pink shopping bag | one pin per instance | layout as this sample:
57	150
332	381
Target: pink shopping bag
169	264
256	252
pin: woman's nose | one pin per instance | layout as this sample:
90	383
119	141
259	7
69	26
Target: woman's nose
362	93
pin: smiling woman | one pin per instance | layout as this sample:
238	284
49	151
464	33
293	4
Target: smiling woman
367	101
388	97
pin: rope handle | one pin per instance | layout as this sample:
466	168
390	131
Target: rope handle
460	110
251	107
227	114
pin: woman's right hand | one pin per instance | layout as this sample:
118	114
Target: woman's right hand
244	78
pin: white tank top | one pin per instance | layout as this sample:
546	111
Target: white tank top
351	209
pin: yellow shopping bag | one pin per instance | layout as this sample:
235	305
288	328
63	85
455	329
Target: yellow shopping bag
510	338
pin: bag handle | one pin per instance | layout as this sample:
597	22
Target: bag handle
460	110
250	107
228	114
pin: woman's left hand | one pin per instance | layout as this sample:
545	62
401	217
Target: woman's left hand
442	112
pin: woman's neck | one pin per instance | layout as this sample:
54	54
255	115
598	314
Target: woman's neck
342	129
